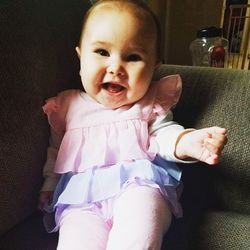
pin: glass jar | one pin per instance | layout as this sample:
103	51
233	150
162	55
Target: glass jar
209	48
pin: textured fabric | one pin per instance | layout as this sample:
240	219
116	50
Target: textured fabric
19	237
220	230
28	67
36	62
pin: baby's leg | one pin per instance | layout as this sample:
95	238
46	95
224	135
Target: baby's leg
141	217
82	229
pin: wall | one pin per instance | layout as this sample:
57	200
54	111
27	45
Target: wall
182	20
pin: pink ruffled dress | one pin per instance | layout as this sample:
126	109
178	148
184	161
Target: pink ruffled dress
104	150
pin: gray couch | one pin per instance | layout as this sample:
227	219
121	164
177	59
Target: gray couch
37	40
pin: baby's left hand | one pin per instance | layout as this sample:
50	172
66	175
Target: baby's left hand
203	144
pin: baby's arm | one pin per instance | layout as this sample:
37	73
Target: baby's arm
50	178
204	145
180	145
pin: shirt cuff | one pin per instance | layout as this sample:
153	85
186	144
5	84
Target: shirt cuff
167	142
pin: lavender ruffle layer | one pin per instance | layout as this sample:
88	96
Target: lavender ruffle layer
98	184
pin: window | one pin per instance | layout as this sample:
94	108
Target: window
236	28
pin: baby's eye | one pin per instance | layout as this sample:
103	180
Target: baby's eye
134	58
102	52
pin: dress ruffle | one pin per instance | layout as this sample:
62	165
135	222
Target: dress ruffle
94	185
104	146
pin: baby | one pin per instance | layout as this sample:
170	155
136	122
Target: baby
111	189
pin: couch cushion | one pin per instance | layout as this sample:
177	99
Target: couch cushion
38	59
221	230
28	235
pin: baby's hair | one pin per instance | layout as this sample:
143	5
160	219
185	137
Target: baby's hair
139	7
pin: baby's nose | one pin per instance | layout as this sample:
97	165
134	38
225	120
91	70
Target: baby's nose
116	67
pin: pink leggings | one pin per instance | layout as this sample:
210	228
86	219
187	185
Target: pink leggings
140	217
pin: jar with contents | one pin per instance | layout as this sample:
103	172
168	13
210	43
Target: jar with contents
209	48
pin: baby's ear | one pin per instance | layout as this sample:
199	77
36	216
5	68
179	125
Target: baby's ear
78	51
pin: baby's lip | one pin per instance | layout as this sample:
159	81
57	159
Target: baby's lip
113	87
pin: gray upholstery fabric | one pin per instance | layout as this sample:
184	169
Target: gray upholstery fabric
37	40
223	230
29	235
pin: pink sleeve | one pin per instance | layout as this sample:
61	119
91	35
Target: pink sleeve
56	108
168	91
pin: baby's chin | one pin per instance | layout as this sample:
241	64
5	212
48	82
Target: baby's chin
114	103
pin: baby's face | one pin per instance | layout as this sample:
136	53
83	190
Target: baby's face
117	57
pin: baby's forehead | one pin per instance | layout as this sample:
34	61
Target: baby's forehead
120	7
119	15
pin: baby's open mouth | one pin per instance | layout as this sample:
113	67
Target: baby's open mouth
113	87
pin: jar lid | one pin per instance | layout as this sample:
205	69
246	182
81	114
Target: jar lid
209	32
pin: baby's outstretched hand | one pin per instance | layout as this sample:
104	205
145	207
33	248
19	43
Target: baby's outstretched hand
203	144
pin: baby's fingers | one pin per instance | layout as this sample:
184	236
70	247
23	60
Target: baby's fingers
215	145
217	130
212	160
221	138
